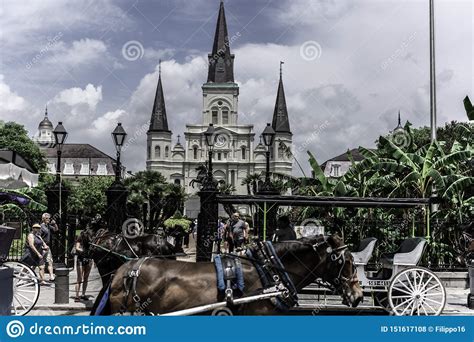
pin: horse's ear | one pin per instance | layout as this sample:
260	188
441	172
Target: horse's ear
335	241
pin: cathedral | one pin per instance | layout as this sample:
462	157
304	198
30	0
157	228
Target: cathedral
237	152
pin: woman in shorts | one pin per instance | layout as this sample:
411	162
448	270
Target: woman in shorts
83	268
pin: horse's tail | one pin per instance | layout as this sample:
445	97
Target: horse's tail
101	305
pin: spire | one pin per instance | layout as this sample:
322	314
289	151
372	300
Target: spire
159	120
221	61
46	111
280	122
399	120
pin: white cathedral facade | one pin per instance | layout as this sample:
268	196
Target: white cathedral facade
237	150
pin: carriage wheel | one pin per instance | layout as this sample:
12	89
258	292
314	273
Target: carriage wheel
26	288
416	291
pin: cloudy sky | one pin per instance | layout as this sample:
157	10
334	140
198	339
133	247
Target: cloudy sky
349	65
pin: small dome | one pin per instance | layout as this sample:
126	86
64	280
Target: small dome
45	123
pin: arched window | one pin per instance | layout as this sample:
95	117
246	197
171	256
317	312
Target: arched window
167	152
177	182
244	154
225	116
157	151
215	115
280	152
195	152
149	152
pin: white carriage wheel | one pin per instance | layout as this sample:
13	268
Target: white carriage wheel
26	288
416	291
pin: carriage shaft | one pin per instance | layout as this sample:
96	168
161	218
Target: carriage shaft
204	308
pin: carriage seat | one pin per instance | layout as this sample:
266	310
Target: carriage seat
408	254
363	252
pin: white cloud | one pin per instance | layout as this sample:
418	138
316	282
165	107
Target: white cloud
90	95
107	122
80	52
10	101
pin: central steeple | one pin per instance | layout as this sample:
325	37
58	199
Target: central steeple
221	61
159	121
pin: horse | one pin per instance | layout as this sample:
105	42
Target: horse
111	250
169	285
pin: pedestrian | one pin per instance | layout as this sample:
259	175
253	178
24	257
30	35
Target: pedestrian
194	227
83	267
47	227
34	252
238	230
285	230
220	234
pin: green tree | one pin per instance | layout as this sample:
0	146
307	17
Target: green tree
14	136
153	199
88	197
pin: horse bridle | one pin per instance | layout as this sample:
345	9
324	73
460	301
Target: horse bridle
336	257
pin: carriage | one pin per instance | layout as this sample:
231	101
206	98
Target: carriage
399	286
26	285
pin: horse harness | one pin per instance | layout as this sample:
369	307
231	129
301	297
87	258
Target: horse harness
130	287
273	275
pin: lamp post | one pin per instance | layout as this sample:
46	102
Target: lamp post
267	221
208	213
268	135
119	136
57	198
209	134
116	213
60	135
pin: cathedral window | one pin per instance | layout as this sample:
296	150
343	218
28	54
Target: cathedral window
219	156
244	154
149	152
215	116
157	151
167	152
225	116
280	152
195	152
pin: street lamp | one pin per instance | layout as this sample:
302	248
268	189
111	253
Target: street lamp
60	135
268	135
210	140
119	136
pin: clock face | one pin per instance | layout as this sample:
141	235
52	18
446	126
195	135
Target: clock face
220	140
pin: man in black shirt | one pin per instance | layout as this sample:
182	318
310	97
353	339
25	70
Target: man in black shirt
284	230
